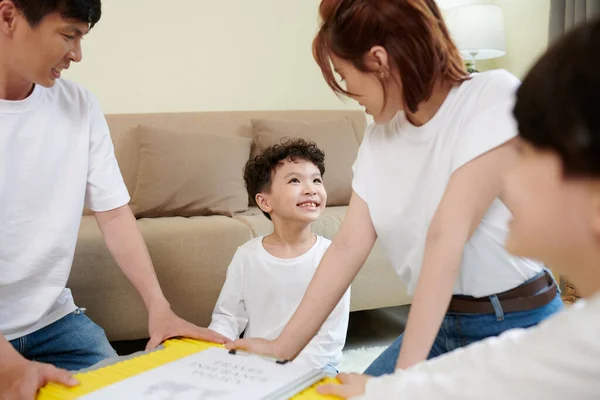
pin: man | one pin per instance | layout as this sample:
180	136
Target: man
56	156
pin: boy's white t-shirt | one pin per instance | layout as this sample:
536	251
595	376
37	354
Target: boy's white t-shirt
557	359
56	155
262	292
402	171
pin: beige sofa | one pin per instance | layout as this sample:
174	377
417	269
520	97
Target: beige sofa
191	254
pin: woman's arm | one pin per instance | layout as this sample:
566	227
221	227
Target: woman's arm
468	196
340	264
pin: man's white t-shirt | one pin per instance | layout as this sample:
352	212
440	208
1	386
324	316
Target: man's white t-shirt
262	292
402	171
557	359
56	155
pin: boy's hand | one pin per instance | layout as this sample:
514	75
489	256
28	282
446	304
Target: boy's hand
20	379
352	385
164	324
260	346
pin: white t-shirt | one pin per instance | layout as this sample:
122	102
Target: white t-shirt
55	155
262	292
402	172
557	359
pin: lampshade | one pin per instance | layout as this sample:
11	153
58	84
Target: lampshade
477	30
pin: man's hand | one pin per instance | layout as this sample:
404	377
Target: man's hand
20	379
164	324
352	385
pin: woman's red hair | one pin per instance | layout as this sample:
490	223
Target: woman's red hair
412	32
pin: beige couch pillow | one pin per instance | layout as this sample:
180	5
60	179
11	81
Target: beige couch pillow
189	173
335	138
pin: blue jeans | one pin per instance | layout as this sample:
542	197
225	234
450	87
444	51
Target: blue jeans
459	330
73	342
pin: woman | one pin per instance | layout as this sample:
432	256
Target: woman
554	193
427	183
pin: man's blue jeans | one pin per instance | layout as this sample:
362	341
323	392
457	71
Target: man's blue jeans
73	342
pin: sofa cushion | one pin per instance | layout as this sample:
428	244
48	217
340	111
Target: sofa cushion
190	256
185	173
335	138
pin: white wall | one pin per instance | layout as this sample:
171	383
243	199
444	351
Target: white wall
190	55
526	28
526	33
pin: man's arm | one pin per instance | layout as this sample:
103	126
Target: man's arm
126	244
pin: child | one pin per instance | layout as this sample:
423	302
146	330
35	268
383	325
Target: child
268	275
553	192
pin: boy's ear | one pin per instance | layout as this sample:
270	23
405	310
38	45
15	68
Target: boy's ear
8	17
263	202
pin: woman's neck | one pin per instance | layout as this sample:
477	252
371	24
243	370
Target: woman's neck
428	108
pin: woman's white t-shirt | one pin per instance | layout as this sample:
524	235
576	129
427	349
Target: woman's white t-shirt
403	170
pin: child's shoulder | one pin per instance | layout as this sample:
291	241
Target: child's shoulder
252	245
323	241
321	245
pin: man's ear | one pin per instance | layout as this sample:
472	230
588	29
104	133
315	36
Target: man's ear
262	200
8	17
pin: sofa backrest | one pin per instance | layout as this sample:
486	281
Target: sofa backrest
232	123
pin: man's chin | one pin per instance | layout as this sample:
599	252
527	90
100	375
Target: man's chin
47	83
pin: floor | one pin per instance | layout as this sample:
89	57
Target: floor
366	328
376	327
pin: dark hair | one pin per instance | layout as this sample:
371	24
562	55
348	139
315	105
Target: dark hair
557	103
413	33
259	171
88	11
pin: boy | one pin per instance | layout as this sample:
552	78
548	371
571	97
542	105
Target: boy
553	192
56	155
268	275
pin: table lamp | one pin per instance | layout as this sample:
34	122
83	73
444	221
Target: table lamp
478	31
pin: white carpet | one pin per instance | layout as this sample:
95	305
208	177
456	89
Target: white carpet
357	360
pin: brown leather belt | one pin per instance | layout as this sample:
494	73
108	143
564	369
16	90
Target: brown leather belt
528	296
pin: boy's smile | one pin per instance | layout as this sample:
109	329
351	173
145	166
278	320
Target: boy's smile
297	192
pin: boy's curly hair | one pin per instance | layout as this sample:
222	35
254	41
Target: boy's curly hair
259	171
